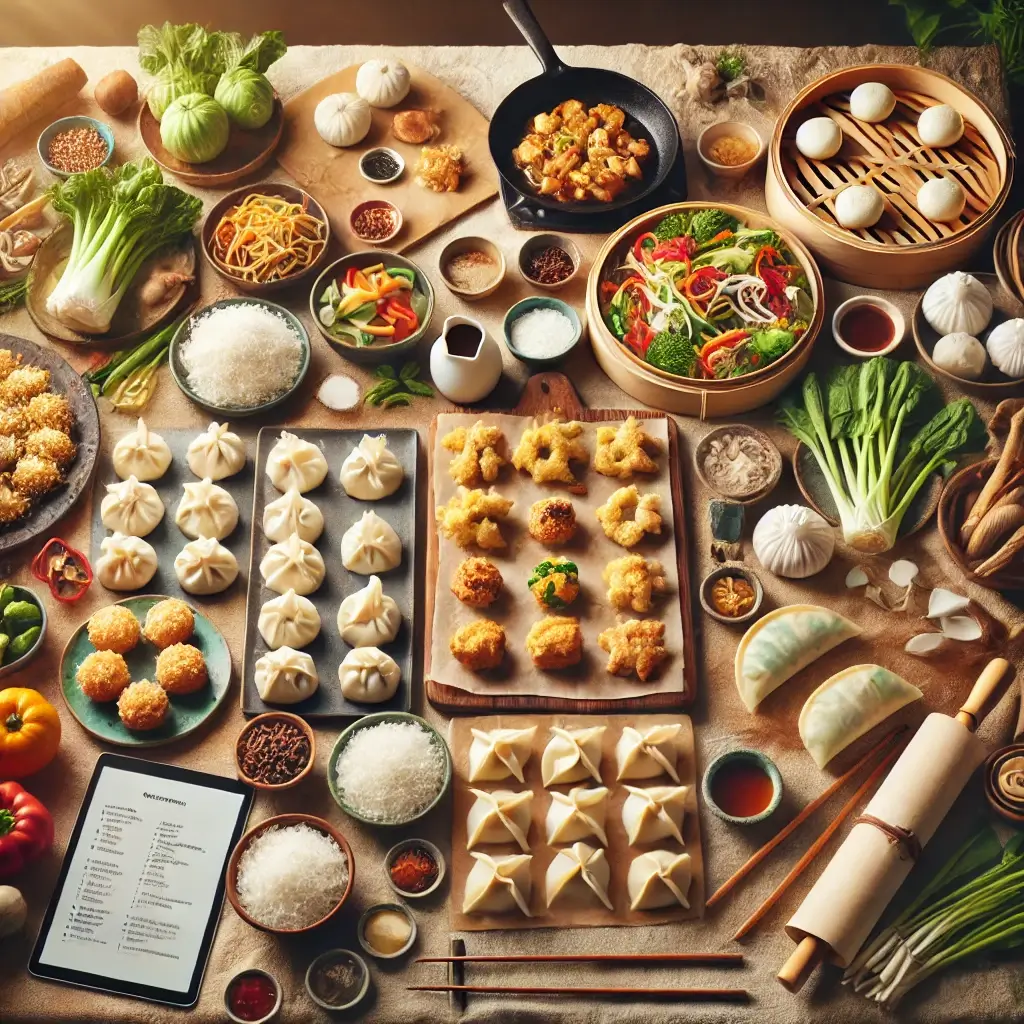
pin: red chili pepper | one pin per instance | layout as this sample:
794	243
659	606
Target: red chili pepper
609	289
26	829
681	249
639	336
775	299
638	245
63	569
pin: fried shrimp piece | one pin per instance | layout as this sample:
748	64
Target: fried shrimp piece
555	642
645	509
469	516
545	451
636	645
477	453
552	521
114	628
23	383
9	362
633	581
479	646
623	451
103	675
51	444
477	582
34	476
143	706
11	449
555	583
16	421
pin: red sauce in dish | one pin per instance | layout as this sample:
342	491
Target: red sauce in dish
867	328
252	997
742	788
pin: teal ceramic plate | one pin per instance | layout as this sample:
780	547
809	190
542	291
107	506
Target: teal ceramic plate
187	713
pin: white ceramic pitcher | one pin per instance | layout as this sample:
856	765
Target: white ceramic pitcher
465	379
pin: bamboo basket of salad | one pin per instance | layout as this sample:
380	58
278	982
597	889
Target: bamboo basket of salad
703	310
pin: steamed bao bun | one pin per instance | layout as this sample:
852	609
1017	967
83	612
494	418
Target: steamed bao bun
941	199
940	126
859	206
872	101
819	138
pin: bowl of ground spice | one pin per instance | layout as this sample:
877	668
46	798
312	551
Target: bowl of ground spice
549	261
376	221
75	144
275	751
472	266
414	868
729	149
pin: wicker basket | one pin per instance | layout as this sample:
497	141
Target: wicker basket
903	250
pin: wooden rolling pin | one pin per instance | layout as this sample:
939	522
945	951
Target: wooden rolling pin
811	951
38	97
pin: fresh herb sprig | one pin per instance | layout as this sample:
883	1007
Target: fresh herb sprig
397	388
730	65
12	293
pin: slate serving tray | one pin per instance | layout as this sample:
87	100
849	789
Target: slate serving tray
340	512
166	538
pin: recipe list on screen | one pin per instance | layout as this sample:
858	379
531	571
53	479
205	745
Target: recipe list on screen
139	892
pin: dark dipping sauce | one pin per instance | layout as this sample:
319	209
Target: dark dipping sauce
463	340
742	788
867	328
380	166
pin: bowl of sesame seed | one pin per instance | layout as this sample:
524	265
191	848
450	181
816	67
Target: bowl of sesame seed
75	144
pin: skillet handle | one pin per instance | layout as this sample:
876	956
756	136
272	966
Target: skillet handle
525	20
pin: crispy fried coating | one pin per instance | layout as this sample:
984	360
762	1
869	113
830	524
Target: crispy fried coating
13	504
49	410
23	383
34	476
636	645
469	518
555	583
633	581
623	451
114	628
168	622
552	521
477	456
556	641
479	646
143	706
545	451
477	582
16	420
440	168
9	362
103	675
11	449
51	444
645	509
180	669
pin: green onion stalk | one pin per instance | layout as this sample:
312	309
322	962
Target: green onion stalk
12	293
128	378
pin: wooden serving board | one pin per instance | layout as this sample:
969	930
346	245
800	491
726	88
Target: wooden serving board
332	175
547	393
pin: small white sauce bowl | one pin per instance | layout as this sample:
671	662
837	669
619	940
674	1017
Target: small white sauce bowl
714	132
899	324
394	154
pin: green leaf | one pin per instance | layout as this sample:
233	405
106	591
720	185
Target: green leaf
385	372
381	391
410	371
398	398
417	387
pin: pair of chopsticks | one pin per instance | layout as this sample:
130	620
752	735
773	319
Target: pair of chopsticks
891	753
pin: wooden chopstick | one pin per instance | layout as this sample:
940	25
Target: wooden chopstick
751	922
583	958
761	854
718	995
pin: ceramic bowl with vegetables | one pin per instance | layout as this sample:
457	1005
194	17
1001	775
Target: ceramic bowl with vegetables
22	627
372	306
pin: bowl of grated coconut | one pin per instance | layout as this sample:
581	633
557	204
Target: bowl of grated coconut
239	356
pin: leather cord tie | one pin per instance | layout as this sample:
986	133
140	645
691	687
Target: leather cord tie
904	838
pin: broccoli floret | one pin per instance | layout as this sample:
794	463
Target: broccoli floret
771	344
708	223
672	226
673	353
730	65
758	237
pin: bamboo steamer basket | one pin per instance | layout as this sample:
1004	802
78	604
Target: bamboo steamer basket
705	399
904	250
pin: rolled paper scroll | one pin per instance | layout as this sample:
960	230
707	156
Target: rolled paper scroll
1011	780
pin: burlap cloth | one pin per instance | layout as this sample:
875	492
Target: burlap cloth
485	75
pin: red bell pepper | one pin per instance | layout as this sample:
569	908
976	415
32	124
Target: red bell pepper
638	246
728	340
701	282
639	336
681	249
609	289
26	829
63	569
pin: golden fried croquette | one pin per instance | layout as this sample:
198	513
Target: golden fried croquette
555	642
48	410
477	582
23	383
633	581
13	504
103	675
623	451
51	444
552	521
645	509
34	476
476	456
114	628
545	451
469	516
555	583
634	646
16	420
168	622
9	362
180	668
11	449
479	646
143	706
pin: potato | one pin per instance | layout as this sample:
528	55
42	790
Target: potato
116	92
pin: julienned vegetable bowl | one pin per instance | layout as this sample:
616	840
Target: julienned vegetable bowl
690	396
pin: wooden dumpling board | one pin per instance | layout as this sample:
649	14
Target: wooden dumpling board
332	177
547	393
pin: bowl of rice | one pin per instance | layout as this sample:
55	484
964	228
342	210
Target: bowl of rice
240	356
290	874
389	769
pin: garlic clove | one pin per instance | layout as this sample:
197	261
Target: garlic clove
856	577
943	603
903	572
924	644
964	628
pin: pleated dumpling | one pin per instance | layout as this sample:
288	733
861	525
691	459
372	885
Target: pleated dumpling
782	643
216	453
292	513
848	705
205	566
572	755
659	878
370	545
499	817
655	813
371	470
142	453
289	621
578	875
206	510
368	676
294	564
578	814
294	462
285	676
500	753
131	507
125	563
647	753
498	885
369	618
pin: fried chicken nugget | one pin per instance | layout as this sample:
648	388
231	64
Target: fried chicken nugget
479	646
636	645
633	581
623	451
477	453
552	521
556	641
477	582
562	444
467	518
143	706
646	511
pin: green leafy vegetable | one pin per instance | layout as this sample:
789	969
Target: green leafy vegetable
255	54
128	377
195	128
397	388
672	226
733	259
708	223
770	345
12	293
730	65
672	352
246	96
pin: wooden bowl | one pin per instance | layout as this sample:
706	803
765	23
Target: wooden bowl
997	801
762	438
730	570
270	188
327	828
904	250
268	717
952	510
992	383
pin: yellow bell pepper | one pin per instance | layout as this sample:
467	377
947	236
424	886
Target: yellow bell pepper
29	732
383	331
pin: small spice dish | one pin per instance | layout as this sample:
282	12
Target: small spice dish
533	302
319	979
471	284
261	722
725	572
748	440
715	133
68	124
537	244
259	977
379	157
741	767
412	844
899	326
377	908
376	221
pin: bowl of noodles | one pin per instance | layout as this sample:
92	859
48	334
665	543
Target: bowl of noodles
266	237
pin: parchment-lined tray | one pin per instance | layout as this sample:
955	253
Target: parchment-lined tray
340	512
619	853
166	538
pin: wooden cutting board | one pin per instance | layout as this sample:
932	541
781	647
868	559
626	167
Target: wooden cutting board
332	175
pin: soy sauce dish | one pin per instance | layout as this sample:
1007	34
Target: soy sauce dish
742	787
867	326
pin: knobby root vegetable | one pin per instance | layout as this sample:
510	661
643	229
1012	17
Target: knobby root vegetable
997	522
38	97
1009	459
116	92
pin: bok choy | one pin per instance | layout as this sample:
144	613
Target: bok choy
878	432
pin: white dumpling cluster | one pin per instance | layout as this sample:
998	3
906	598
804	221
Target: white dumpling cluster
369	618
285	676
368	676
206	510
142	453
216	453
131	507
125	562
204	566
371	471
289	620
292	513
293	564
295	462
370	546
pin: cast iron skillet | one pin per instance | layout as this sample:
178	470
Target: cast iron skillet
646	116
